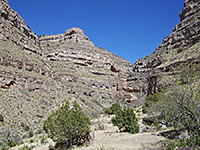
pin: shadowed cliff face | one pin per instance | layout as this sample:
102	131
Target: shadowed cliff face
38	73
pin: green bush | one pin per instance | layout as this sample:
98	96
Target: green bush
12	143
190	143
1	118
155	97
68	127
171	146
30	134
3	147
26	128
179	50
42	139
152	100
144	110
113	109
126	121
31	140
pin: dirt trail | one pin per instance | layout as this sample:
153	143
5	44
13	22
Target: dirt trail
124	141
110	139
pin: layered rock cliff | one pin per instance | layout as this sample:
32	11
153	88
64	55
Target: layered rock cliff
187	32
14	28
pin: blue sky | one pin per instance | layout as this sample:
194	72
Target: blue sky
131	29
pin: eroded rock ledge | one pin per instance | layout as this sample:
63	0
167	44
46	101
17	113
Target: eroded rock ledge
73	35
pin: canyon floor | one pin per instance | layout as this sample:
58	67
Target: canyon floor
107	137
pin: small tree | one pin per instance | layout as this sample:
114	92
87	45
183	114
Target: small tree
67	126
126	121
113	109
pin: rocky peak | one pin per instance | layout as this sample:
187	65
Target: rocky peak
74	30
190	8
73	35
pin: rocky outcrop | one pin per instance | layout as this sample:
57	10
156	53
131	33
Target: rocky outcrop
14	28
29	66
187	32
73	35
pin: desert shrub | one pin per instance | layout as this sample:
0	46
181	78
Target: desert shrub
126	121
113	109
189	143
187	76
12	143
155	97
3	147
152	100
39	131
31	140
1	118
30	134
26	128
102	148
68	126
42	140
179	50
171	146
144	109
